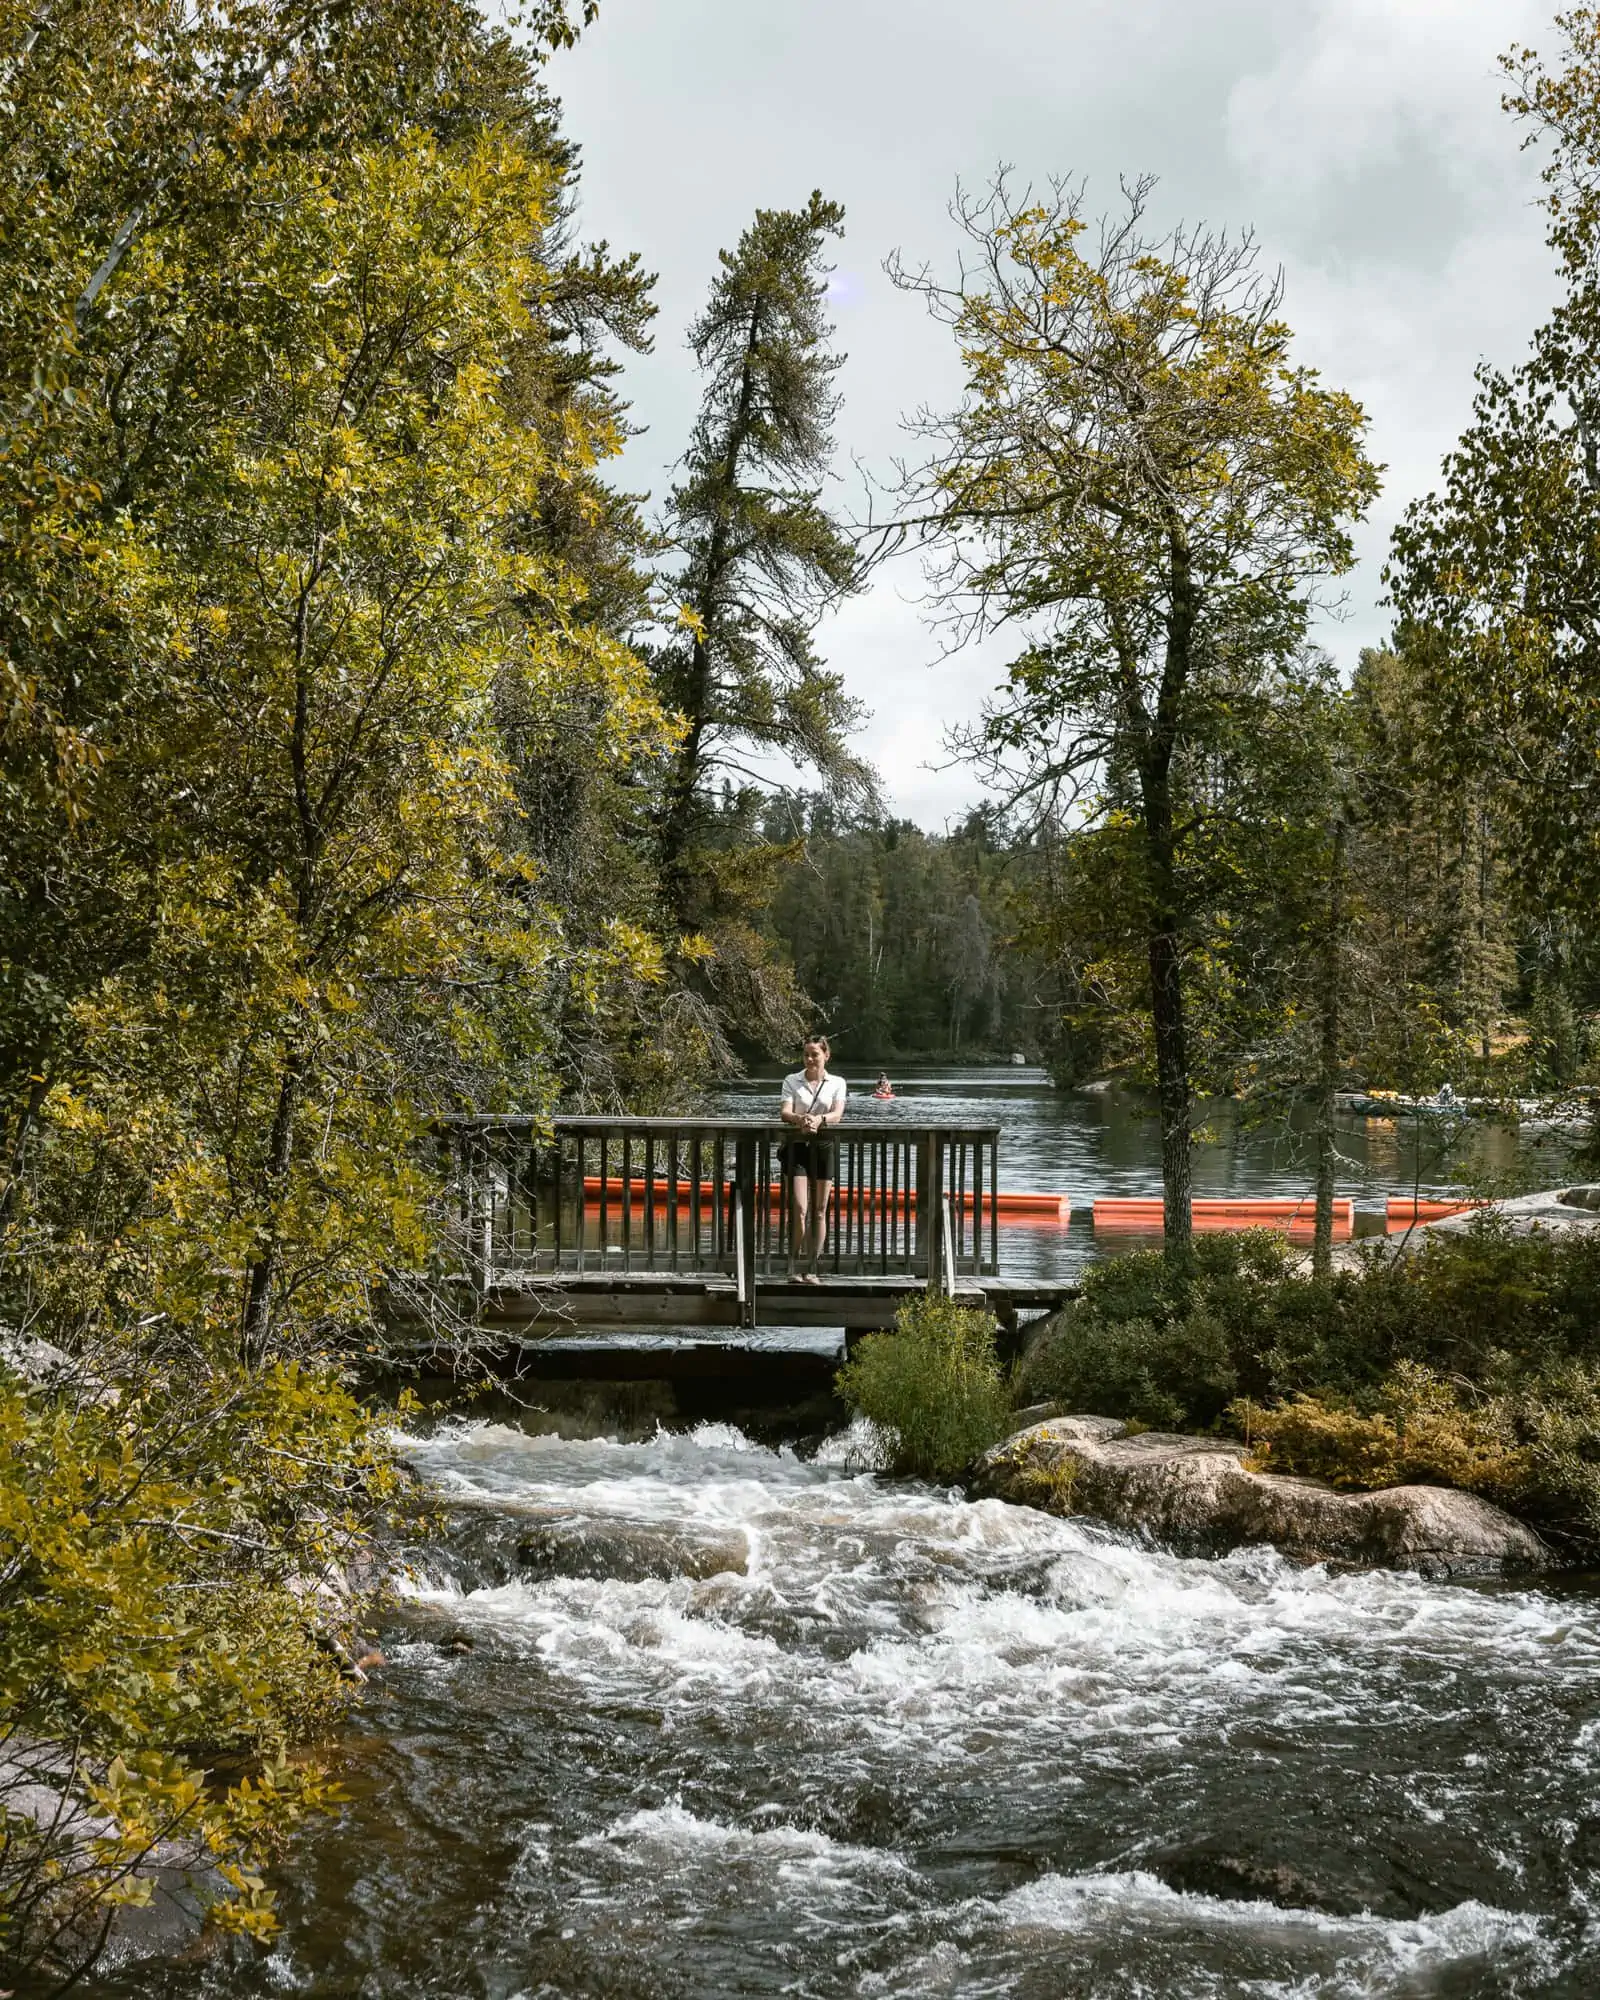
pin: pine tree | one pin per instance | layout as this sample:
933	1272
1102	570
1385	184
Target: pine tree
761	555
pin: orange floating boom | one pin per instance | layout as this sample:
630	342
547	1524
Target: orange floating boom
1145	1215
1055	1205
1404	1212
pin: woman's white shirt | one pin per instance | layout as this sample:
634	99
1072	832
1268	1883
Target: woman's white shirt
814	1099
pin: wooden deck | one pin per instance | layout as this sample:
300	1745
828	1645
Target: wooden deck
666	1299
655	1223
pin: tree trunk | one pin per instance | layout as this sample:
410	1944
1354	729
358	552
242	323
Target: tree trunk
262	1270
16	1145
1328	1057
683	789
1172	1086
1165	933
1165	953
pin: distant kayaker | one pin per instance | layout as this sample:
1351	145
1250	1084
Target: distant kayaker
885	1087
814	1102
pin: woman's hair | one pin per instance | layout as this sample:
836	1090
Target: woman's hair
816	1042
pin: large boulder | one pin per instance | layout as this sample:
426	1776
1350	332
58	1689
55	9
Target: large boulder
1197	1495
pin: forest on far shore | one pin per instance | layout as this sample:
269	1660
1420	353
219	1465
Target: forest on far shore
990	938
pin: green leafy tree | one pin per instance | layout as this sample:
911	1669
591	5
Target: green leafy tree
308	916
1494	576
300	477
1141	476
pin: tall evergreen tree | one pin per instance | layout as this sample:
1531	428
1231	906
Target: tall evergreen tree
761	554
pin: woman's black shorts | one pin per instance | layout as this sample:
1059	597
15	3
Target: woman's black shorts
813	1156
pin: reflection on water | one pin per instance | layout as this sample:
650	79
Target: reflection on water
687	1716
1086	1143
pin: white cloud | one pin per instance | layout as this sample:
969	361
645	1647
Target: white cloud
1362	138
1364	85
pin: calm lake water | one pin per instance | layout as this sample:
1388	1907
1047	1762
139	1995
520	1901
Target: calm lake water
1106	1142
681	1715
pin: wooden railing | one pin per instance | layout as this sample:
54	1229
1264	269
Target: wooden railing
587	1197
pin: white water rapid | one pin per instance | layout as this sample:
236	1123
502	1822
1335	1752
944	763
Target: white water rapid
696	1717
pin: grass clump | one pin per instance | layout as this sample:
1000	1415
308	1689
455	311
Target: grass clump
933	1389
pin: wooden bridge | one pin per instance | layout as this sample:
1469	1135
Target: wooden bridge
681	1222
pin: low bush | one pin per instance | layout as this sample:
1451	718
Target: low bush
160	1670
933	1389
1165	1341
1419	1428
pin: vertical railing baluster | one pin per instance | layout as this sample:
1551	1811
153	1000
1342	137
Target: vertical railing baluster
762	1232
855	1183
880	1177
579	1201
935	1224
994	1204
627	1199
837	1223
672	1199
978	1183
744	1226
555	1166
605	1197
786	1239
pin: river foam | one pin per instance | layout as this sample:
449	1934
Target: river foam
756	1722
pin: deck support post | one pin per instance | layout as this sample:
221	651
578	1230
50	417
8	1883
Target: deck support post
744	1197
932	1221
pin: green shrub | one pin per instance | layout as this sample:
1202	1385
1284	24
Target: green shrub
1421	1429
933	1389
1165	1375
1169	1341
1556	1418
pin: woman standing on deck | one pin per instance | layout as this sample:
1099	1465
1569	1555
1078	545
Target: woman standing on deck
812	1101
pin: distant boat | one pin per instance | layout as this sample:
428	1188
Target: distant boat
883	1093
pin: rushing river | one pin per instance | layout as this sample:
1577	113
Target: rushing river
675	1713
689	1716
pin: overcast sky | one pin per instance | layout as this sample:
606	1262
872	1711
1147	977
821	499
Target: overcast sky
1361	139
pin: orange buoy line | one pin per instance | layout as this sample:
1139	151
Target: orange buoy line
1055	1206
1145	1215
1404	1211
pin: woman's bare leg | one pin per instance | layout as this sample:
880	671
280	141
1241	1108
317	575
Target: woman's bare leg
819	1218
802	1225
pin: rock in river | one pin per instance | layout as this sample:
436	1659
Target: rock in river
1197	1495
